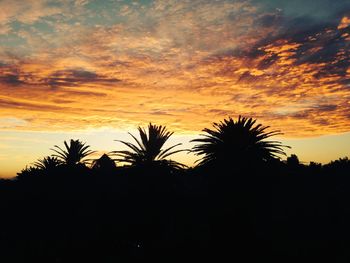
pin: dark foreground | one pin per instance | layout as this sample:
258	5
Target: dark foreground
279	214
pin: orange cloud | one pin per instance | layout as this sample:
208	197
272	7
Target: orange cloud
344	23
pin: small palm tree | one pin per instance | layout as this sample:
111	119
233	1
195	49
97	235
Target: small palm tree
237	142
74	153
149	150
47	163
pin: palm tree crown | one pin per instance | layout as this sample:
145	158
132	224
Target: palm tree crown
238	141
149	150
47	163
74	153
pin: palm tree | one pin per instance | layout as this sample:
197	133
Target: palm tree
237	142
47	163
149	150
74	153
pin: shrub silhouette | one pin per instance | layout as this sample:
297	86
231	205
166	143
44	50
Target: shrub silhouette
293	160
104	164
28	172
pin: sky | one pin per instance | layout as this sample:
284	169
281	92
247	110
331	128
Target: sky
97	69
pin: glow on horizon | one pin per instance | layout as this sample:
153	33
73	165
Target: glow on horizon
19	149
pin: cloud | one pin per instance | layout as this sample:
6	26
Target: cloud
184	64
344	23
8	104
11	79
27	11
10	123
75	77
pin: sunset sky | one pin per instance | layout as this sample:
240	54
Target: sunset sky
96	69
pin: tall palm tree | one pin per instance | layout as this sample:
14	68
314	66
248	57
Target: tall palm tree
237	142
47	163
149	150
73	153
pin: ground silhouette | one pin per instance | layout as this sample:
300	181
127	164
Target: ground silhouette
66	209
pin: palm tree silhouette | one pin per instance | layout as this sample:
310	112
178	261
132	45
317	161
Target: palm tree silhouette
149	150
47	163
237	142
74	153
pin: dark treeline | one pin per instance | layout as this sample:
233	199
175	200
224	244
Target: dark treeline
241	202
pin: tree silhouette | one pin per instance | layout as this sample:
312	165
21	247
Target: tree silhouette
74	153
293	160
103	164
237	142
47	163
149	150
28	172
